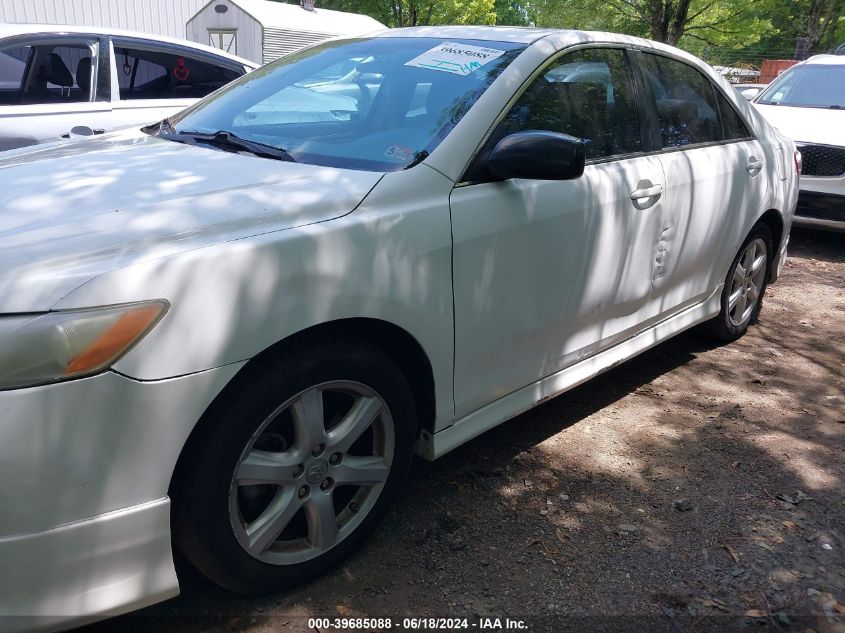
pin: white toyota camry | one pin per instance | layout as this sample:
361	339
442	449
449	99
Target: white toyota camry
230	332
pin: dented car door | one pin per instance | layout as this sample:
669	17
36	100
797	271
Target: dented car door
549	272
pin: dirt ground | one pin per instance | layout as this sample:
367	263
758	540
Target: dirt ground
694	488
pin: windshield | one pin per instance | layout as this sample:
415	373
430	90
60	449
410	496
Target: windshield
378	104
808	86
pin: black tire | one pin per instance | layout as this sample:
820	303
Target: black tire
723	327
204	476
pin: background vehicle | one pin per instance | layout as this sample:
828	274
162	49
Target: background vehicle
749	91
807	103
54	79
234	335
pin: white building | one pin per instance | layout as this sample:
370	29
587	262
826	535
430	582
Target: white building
162	17
262	31
259	30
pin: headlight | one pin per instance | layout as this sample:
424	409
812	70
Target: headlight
45	348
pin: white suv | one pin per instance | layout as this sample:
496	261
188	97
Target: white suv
807	103
58	80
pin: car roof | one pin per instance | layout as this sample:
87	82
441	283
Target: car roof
11	30
529	35
515	34
825	60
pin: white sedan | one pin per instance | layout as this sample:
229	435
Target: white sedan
61	80
230	333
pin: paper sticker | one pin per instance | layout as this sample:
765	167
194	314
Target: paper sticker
400	152
459	59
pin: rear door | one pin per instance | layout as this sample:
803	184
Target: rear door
50	84
155	80
547	272
716	179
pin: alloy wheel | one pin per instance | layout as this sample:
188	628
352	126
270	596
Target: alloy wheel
747	282
311	472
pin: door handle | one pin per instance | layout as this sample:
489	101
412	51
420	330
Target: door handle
648	192
753	165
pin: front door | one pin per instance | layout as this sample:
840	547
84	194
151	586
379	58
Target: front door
547	273
48	86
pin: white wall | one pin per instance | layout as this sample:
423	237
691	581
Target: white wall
162	17
235	18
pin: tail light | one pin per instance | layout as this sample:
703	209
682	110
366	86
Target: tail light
798	162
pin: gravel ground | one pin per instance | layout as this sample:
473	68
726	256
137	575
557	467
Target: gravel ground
694	488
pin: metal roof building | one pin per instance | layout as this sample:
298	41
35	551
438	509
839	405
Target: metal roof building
262	31
162	17
258	30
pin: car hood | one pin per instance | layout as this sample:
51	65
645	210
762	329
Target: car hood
807	125
72	211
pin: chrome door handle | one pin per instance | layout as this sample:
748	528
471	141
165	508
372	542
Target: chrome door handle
753	165
648	192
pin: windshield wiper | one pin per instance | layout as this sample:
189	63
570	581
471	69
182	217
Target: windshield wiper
418	158
228	140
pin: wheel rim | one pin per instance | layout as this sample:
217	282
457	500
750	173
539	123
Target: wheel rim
747	282
312	472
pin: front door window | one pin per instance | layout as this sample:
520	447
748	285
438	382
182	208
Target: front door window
46	73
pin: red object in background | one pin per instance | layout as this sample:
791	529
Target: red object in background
180	70
771	68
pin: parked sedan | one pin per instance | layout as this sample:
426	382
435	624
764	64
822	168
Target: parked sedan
230	335
807	103
55	80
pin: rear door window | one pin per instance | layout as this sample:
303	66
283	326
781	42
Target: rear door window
150	73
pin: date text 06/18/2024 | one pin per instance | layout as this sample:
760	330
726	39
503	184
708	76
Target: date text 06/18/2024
418	624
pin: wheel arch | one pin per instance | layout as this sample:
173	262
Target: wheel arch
774	220
392	340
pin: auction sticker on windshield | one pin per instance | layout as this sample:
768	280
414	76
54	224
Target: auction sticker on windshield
459	59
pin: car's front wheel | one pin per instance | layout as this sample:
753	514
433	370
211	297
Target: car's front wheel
745	285
295	467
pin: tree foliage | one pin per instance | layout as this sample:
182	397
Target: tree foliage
723	29
398	13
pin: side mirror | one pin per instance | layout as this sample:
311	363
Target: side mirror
750	93
537	154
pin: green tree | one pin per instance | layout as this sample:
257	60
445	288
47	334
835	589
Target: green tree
720	30
398	13
821	21
511	13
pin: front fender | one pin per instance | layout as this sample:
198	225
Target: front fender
389	260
